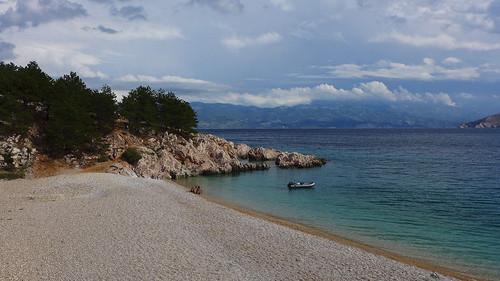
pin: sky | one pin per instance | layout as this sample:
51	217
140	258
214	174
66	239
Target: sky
268	53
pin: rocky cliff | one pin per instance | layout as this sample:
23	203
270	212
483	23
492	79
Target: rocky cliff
492	121
172	156
164	156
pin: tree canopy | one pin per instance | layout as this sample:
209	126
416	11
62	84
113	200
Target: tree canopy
22	90
157	110
69	117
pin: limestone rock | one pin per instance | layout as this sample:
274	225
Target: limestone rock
16	152
296	160
123	169
172	156
263	154
242	150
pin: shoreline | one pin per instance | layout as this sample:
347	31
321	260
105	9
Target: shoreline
199	234
315	231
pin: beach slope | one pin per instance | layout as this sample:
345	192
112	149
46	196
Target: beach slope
109	227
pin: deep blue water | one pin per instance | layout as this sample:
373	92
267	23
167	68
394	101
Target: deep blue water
431	194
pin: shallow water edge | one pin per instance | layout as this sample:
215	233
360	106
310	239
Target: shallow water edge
420	263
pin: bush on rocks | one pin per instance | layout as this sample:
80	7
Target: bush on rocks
131	156
8	162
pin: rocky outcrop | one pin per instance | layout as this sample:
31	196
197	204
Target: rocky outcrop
172	156
297	160
242	150
263	154
162	156
121	168
492	121
16	153
285	160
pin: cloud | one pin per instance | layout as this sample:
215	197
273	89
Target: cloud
6	50
136	31
31	13
284	5
445	24
190	84
238	42
451	60
103	1
108	30
318	29
371	91
150	31
103	29
442	41
59	59
427	70
108	1
163	79
222	6
444	14
129	12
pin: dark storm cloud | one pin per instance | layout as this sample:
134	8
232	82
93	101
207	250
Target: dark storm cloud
129	12
223	6
30	13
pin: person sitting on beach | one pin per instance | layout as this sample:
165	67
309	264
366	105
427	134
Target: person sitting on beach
196	189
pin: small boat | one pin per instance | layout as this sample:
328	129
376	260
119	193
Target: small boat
299	184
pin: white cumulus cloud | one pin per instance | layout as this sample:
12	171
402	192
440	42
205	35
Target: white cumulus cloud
58	59
190	84
374	90
452	60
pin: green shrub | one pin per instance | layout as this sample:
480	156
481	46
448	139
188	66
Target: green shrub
131	156
9	161
102	158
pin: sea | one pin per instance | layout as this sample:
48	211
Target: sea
430	194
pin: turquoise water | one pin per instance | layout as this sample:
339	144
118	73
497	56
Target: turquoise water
431	194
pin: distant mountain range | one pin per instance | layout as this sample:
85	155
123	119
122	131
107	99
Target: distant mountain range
492	121
331	115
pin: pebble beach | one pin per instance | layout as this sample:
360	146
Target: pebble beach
108	227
